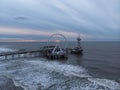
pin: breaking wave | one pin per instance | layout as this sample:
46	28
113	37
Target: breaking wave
40	74
4	49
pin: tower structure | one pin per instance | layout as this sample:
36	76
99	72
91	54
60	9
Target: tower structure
78	41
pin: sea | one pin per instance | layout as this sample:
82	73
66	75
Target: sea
98	68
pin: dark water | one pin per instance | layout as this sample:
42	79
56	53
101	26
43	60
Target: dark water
100	59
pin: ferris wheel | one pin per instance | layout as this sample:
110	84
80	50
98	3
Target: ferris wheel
57	39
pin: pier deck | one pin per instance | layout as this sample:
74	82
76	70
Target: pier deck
20	54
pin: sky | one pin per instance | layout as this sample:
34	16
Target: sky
37	20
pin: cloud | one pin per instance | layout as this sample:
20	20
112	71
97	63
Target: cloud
19	40
92	19
21	18
41	33
18	31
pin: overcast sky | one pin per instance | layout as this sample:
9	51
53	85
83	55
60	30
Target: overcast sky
94	20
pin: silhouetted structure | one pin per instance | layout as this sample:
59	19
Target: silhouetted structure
78	49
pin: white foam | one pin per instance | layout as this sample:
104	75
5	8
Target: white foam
106	83
44	69
39	72
4	49
62	68
29	73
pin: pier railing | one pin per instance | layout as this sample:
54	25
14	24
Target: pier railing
43	52
20	54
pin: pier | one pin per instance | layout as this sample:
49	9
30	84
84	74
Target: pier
41	53
21	54
55	51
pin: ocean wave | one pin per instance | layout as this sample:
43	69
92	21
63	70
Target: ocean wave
67	70
40	74
5	49
113	85
53	75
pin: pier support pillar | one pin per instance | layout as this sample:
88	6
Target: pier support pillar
18	55
24	55
5	57
13	57
39	54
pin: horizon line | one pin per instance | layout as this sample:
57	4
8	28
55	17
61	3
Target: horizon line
63	41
